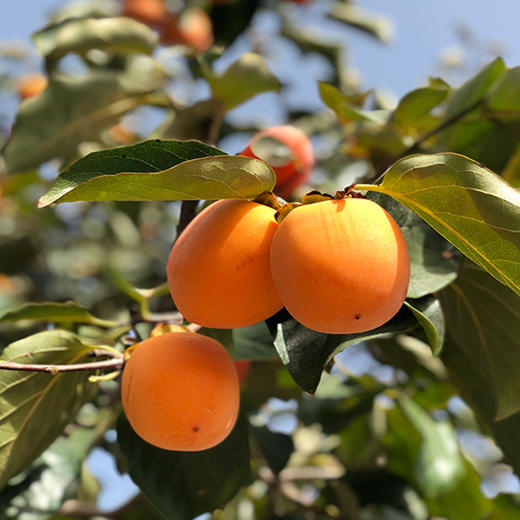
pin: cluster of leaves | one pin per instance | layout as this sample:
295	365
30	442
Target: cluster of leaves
365	446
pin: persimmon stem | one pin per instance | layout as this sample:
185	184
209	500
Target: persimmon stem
115	363
188	212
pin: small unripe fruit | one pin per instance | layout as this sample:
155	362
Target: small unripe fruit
288	151
31	85
219	271
180	391
340	266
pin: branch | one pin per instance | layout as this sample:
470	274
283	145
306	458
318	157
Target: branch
188	212
427	135
115	363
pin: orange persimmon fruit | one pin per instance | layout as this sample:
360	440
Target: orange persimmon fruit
219	271
288	151
340	266
180	391
31	85
192	27
149	12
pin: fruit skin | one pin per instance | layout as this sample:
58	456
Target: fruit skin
31	85
242	367
218	270
293	173
180	391
340	266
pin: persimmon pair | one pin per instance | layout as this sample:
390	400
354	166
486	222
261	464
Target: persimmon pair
338	266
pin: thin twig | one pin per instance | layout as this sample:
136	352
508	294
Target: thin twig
115	363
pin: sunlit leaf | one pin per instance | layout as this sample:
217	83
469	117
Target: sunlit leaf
468	204
245	78
352	15
36	406
53	312
161	170
118	35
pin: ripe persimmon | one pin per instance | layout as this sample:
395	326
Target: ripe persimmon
288	151
180	391
31	85
149	12
340	266
193	27
219	271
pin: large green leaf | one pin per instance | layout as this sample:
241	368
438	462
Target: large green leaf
244	79
483	320
72	110
254	342
476	210
36	406
54	312
161	170
305	352
119	35
52	478
505	96
183	485
434	262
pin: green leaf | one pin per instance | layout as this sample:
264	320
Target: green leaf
54	312
344	106
244	79
416	105
117	35
36	406
374	25
468	204
475	88
505	95
434	262
483	320
72	110
428	312
254	342
276	447
425	451
305	352
182	485
161	170
52	479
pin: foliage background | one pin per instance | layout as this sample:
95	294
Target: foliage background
400	70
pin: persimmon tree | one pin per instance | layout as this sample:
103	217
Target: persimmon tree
83	285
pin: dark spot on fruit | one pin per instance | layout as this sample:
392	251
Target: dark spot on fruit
195	428
357	316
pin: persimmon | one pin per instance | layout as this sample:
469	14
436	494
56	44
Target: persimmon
218	270
242	367
149	12
288	151
193	27
180	391
31	85
340	266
